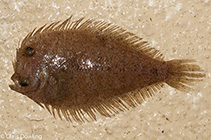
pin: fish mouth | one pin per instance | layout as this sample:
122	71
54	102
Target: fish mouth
16	86
38	82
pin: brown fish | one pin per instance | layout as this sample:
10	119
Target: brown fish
75	69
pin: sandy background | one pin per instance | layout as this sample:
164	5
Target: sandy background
179	28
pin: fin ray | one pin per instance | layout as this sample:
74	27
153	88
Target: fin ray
104	29
183	73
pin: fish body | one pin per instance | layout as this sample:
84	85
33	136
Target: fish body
78	68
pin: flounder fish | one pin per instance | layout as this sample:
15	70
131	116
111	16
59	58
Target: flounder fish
75	69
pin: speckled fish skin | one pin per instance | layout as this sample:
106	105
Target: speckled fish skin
79	69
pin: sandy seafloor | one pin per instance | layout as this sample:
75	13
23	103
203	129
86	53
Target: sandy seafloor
179	28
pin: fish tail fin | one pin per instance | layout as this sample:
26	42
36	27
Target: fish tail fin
183	73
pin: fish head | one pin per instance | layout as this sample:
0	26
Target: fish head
30	74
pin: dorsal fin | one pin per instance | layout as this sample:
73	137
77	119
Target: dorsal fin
102	28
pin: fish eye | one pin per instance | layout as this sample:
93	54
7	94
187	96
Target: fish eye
24	81
29	51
